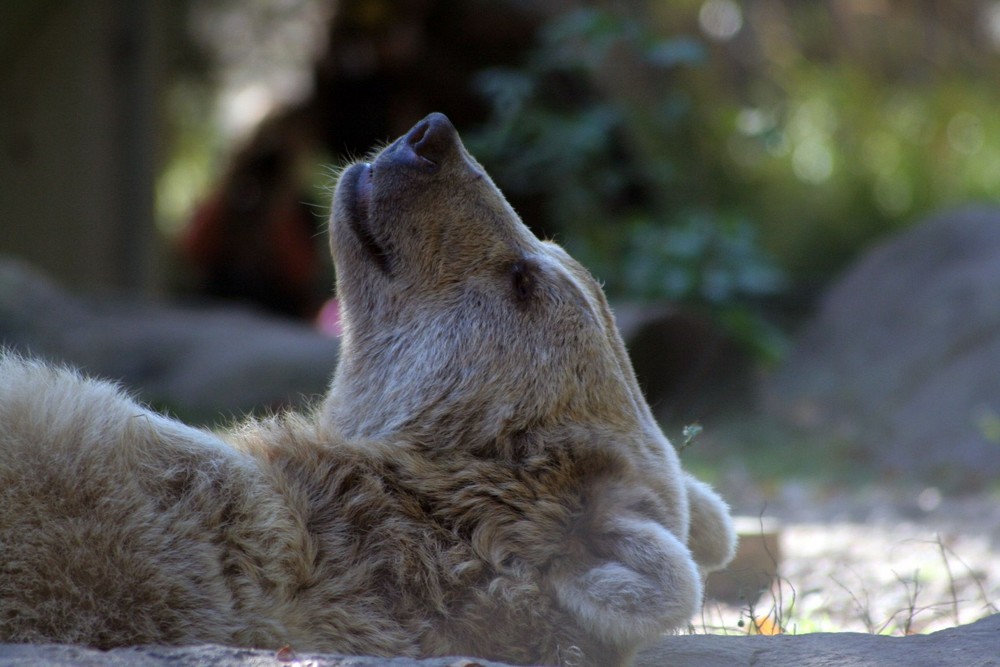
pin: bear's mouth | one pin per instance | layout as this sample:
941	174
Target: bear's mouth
358	202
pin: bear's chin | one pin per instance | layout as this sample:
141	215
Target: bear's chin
357	195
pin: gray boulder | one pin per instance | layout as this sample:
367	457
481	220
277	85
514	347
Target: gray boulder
973	645
902	360
688	367
201	363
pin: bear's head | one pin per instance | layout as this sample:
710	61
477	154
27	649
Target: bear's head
461	328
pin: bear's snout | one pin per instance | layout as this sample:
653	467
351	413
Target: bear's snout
432	139
429	145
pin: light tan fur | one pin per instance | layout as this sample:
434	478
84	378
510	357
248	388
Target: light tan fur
484	477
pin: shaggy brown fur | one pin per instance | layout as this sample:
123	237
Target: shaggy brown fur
484	477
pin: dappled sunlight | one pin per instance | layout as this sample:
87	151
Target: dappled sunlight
720	19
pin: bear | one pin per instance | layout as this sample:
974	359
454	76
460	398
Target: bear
483	477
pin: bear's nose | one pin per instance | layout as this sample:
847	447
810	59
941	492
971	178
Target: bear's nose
433	138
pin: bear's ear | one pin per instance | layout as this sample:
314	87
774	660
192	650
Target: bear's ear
625	577
711	536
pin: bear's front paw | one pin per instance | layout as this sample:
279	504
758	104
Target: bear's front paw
712	537
636	582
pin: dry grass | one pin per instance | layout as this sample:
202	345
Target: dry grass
890	573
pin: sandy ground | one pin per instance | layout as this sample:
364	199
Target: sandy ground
880	560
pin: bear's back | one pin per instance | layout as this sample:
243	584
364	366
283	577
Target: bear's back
121	527
117	524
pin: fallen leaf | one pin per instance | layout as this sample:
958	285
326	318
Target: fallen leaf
285	654
765	626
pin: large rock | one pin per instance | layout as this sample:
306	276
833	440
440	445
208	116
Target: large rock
688	367
974	645
57	655
902	360
201	363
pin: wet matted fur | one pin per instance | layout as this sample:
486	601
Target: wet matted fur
484	477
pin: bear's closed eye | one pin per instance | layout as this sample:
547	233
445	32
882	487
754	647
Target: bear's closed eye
524	279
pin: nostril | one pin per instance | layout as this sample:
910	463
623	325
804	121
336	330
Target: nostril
417	134
433	138
415	140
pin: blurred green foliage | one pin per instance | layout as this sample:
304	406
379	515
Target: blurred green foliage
716	152
611	171
840	122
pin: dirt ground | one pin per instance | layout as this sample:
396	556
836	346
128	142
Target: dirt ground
879	560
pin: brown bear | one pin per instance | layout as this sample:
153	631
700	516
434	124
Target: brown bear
484	477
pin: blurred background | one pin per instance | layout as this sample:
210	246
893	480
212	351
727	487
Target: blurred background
794	206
